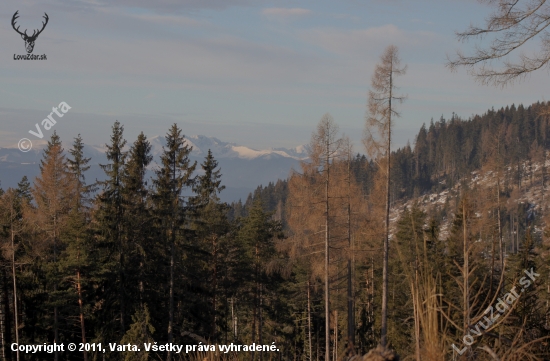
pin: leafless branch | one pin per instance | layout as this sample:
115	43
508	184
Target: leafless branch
512	25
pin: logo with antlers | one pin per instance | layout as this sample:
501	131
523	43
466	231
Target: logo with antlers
29	40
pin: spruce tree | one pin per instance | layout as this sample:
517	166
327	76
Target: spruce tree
212	232
75	259
171	209
257	237
78	165
109	239
24	191
140	332
137	222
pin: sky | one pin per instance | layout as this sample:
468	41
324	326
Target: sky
253	72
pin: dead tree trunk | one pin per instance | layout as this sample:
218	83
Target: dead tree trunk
327	235
81	307
6	330
309	320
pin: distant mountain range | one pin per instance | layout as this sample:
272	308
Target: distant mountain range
221	150
242	168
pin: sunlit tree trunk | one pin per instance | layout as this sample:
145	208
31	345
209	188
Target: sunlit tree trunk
378	143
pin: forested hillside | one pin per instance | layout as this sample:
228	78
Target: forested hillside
132	260
447	151
468	189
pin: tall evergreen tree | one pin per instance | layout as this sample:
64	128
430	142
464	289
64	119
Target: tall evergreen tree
110	241
24	191
213	233
75	261
257	236
137	222
78	165
171	209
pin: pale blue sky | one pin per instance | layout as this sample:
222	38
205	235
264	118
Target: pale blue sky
258	73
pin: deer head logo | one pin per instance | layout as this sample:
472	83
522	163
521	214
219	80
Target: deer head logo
29	40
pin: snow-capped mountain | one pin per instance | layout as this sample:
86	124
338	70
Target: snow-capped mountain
242	168
201	144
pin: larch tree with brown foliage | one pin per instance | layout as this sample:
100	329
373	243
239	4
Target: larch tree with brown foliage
493	168
13	204
351	217
53	192
326	148
11	227
305	219
378	140
350	183
311	207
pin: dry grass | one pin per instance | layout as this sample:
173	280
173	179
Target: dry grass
378	354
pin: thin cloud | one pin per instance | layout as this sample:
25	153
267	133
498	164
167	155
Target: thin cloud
286	12
171	5
169	19
366	42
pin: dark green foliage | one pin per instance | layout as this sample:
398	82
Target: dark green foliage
165	260
137	226
273	197
109	242
171	214
446	151
78	165
256	238
213	245
531	309
141	331
24	191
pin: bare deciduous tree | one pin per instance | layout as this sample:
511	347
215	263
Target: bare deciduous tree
512	24
320	206
377	140
326	147
53	192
